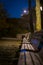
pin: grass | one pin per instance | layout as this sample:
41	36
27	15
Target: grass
9	43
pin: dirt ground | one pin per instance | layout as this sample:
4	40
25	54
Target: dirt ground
9	52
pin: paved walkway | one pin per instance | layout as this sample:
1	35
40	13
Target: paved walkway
28	56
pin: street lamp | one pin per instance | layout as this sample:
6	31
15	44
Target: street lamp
25	11
41	8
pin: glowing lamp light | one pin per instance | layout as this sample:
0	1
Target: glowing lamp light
41	8
25	11
21	14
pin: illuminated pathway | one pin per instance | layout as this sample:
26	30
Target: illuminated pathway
28	56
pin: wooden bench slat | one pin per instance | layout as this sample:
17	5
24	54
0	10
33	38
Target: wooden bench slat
31	47
26	46
21	59
22	46
28	59
39	58
35	60
34	57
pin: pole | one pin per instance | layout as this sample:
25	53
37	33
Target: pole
30	15
38	16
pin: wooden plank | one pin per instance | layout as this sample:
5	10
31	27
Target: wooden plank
21	59
26	46
40	60
35	60
28	59
22	46
31	47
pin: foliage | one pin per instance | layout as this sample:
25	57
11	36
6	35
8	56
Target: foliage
9	28
3	16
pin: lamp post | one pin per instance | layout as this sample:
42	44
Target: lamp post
38	15
30	15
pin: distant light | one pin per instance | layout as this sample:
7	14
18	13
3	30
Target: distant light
41	8
25	11
21	14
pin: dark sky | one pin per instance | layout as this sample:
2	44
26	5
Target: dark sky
15	7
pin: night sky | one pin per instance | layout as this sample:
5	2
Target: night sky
15	7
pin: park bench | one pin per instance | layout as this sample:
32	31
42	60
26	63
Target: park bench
28	56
